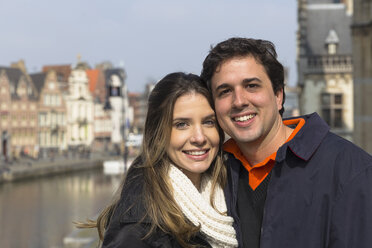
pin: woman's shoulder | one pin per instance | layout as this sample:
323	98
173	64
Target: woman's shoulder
131	207
134	181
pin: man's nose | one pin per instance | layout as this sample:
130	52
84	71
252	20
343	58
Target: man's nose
239	98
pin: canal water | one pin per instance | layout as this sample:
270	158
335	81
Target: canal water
38	213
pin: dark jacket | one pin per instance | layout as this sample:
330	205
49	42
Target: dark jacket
127	226
319	194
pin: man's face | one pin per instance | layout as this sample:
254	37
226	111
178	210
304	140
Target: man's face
246	107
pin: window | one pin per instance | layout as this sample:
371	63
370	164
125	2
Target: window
115	91
332	109
4	106
47	100
51	100
51	86
29	90
332	48
61	119
59	102
4	120
338	99
42	119
21	91
53	119
3	90
53	139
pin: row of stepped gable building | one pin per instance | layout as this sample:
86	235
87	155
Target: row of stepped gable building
65	109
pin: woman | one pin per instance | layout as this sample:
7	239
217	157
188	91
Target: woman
172	195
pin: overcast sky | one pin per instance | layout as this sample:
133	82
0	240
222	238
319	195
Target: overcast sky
148	38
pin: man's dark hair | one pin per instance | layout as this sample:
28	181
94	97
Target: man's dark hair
263	51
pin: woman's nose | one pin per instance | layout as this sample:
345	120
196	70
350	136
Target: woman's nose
198	136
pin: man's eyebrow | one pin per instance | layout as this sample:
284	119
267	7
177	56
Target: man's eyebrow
222	86
248	80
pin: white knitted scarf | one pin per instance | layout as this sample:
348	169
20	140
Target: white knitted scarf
195	205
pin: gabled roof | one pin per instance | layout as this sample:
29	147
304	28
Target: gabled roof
97	84
39	80
93	79
320	1
15	75
321	19
117	71
134	94
63	71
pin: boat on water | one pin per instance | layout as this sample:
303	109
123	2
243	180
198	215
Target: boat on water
114	167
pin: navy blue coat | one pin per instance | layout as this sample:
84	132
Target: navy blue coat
319	194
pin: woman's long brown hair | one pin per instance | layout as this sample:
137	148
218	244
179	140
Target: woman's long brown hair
161	207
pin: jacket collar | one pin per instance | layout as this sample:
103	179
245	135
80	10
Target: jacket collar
307	140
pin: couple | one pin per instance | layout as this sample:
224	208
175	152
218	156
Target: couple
275	183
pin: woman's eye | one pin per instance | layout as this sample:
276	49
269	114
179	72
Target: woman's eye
210	122
180	125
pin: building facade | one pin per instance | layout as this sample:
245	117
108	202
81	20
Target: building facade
324	62
80	109
291	106
102	119
362	58
117	104
18	113
52	123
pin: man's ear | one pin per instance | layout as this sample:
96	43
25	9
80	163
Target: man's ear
279	99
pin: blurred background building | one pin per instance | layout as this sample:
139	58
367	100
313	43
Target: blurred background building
64	110
18	112
362	58
334	62
52	123
72	107
324	62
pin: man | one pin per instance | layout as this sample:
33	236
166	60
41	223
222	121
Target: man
291	183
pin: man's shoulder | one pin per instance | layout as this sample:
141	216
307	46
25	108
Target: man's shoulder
343	148
315	142
341	158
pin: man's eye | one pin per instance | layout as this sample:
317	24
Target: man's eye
251	86
223	92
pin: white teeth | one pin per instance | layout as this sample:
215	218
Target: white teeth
196	153
244	118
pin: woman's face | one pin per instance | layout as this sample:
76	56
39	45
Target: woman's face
194	138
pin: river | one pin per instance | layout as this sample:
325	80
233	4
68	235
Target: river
38	213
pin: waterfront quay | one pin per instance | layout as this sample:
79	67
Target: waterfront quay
30	168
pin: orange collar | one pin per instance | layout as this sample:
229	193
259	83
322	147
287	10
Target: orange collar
258	172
